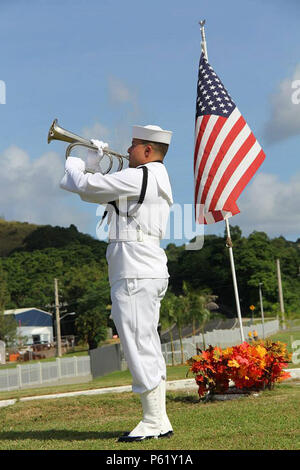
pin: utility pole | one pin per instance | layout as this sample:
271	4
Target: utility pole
280	294
58	334
261	309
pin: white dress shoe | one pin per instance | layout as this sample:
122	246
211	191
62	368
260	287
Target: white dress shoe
155	423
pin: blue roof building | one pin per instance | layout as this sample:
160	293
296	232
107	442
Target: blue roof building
34	324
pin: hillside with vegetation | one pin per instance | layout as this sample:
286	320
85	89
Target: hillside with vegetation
32	256
255	262
12	235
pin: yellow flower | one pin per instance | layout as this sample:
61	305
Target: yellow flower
193	359
233	363
261	351
227	352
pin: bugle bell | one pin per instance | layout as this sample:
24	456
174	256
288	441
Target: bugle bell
59	133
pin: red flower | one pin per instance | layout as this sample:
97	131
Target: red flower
253	366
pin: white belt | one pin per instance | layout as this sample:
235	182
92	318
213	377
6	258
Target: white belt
134	236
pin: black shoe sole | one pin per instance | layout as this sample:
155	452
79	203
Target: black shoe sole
135	439
126	438
166	434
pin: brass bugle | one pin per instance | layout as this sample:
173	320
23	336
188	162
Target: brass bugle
59	133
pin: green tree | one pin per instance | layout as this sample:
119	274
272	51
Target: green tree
30	275
8	325
8	329
4	294
199	311
33	256
93	312
255	262
182	307
167	317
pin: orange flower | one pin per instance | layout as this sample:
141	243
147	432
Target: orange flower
227	352
256	366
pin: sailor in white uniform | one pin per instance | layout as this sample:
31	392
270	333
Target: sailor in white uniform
138	201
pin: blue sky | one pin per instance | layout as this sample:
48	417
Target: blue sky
102	66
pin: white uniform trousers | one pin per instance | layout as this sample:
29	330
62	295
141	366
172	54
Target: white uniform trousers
135	312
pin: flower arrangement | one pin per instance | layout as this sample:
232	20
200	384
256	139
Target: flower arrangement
250	367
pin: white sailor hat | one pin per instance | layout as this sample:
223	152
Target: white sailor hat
152	134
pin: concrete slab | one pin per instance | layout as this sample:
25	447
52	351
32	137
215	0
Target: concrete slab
98	391
7	402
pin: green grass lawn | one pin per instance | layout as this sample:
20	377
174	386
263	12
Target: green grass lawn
287	337
268	421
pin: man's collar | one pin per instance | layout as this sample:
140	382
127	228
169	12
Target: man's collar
153	161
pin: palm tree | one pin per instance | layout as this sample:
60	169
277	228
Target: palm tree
182	304
167	317
198	307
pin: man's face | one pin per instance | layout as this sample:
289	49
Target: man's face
136	153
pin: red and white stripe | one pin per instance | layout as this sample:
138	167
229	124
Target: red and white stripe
226	157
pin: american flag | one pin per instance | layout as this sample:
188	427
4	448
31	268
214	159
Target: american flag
226	152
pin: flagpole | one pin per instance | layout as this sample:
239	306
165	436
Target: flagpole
236	292
203	44
229	242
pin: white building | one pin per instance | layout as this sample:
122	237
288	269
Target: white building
34	324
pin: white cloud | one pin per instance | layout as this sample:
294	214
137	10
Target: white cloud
96	131
127	112
284	119
126	101
118	138
271	206
29	190
119	92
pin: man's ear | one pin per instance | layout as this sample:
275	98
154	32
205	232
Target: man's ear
148	150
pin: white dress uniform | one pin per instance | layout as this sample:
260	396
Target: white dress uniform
137	266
